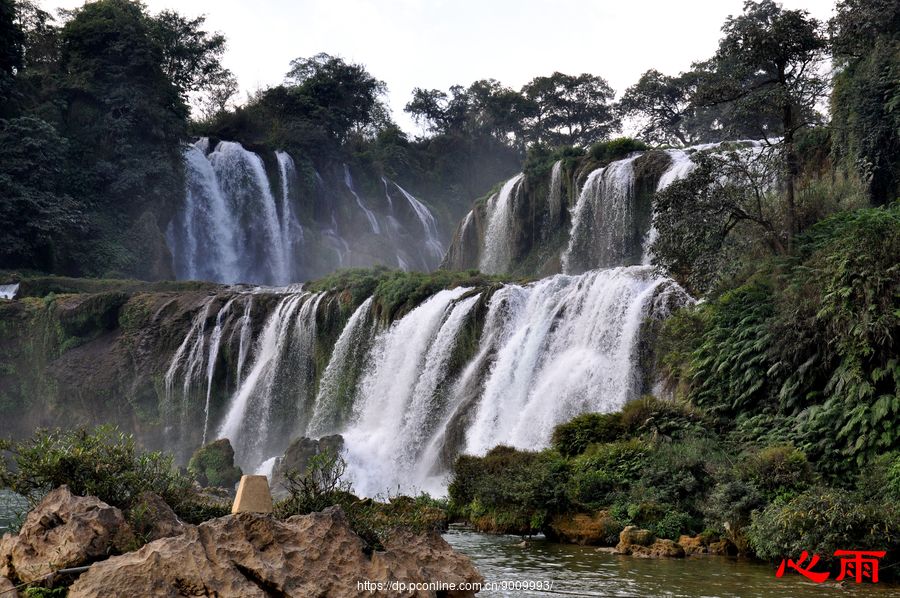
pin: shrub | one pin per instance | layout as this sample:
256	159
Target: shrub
509	491
673	524
822	520
660	418
729	510
102	462
573	437
778	470
616	149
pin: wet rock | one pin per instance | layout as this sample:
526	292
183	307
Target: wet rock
250	554
723	548
213	465
64	531
632	535
586	530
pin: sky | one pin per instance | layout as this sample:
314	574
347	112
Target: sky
439	43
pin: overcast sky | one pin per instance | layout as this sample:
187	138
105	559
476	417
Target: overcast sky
437	43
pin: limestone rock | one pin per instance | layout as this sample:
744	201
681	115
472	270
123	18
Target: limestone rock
723	548
64	531
693	545
253	495
661	548
6	544
254	555
156	518
7	588
632	535
586	530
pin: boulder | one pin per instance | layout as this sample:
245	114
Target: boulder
632	535
599	529
693	545
251	554
642	543
151	518
213	465
297	457
723	547
64	531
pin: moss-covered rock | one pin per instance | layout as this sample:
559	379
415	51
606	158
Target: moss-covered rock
213	465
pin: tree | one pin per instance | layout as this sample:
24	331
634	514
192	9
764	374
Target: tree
12	40
34	208
337	96
191	57
663	105
767	63
865	102
570	110
696	216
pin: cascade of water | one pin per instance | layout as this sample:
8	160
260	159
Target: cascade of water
549	351
571	349
202	234
8	291
275	388
243	340
335	398
396	363
373	221
433	245
498	238
602	220
187	358
291	230
243	180
554	198
215	339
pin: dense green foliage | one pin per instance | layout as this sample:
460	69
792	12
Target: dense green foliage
866	97
102	462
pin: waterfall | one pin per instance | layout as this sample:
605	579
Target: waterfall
291	230
214	341
599	237
498	237
269	399
202	234
433	245
243	340
335	397
554	197
373	221
8	291
377	449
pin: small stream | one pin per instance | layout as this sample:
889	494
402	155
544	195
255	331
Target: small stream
584	571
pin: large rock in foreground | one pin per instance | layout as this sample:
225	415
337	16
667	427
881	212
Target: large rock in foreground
63	531
250	555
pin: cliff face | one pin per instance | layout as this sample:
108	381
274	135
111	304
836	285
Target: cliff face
561	218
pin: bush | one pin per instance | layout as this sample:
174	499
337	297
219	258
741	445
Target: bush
616	149
822	520
509	491
102	462
778	470
573	437
729	510
673	524
660	418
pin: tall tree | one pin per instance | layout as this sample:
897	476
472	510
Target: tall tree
12	41
768	62
570	109
662	104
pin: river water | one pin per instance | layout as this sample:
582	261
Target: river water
584	571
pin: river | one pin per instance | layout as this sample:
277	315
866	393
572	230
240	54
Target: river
584	571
